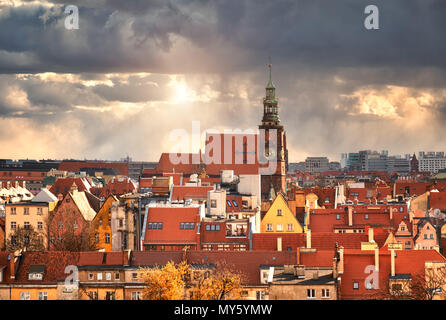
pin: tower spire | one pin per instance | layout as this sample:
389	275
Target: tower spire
270	82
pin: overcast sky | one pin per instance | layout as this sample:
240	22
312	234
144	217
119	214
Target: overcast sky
137	69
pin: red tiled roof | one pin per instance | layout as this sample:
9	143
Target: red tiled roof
171	217
248	262
406	262
319	258
189	163
103	258
319	240
115	187
182	193
437	200
63	185
55	263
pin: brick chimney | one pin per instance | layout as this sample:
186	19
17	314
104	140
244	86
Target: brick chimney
308	238
350	216
11	265
371	238
377	259
392	263
279	243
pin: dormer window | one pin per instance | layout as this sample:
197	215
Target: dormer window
36	272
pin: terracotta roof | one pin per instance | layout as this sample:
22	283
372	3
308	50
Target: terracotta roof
406	262
189	163
103	258
63	185
437	200
182	193
55	263
319	240
318	258
247	263
171	217
117	187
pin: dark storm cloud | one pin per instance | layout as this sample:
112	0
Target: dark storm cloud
119	35
322	57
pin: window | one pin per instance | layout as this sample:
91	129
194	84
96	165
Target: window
234	203
134	276
356	285
99	276
269	227
338	217
401	209
110	295
107	238
260	295
136	295
117	276
311	293
39	211
155	225
13	240
279	212
43	295
100	222
25	296
13	225
213	203
26	211
366	216
39	225
26	240
121	223
325	293
290	227
229	203
279	227
93	295
90	276
403	228
431	236
13	210
107	276
75	226
96	237
425	236
187	226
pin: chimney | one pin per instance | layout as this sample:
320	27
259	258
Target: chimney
350	216
341	260
298	255
11	265
279	243
308	238
377	259
391	214
371	239
392	262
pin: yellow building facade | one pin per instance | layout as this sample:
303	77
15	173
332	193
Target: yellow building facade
280	218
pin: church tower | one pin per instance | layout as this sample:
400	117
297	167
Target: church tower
271	121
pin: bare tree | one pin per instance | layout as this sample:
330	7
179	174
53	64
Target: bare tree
25	238
68	232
